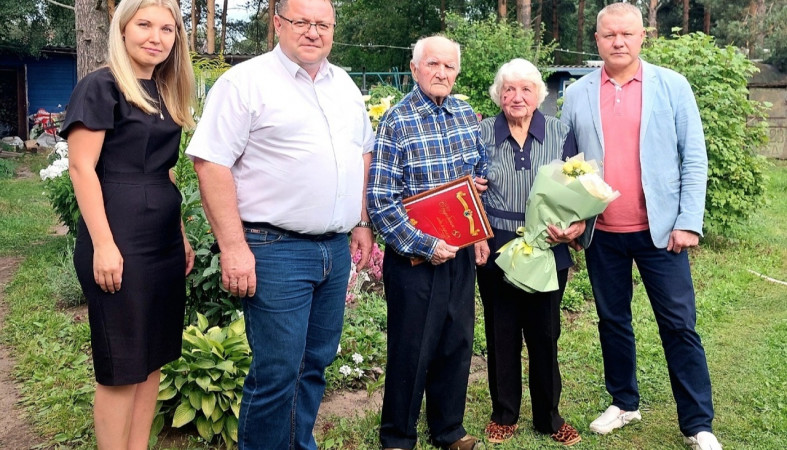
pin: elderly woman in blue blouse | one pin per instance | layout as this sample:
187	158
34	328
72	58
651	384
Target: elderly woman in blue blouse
519	140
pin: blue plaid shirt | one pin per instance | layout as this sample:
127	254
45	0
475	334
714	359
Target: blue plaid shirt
419	146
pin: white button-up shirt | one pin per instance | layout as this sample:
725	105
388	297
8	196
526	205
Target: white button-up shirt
294	145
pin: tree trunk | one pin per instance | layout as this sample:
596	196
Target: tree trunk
442	15
194	23
537	24
706	19
523	10
502	13
224	27
210	28
111	9
685	16
555	29
580	30
92	35
653	21
271	30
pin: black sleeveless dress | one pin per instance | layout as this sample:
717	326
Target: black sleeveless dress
138	329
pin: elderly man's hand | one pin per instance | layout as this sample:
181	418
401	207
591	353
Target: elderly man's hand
558	236
443	252
361	239
481	253
480	184
682	239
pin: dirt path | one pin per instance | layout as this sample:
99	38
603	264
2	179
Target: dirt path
15	432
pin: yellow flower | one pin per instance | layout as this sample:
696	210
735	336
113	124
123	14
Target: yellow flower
376	111
574	168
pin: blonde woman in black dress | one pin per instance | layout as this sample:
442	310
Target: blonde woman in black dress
123	128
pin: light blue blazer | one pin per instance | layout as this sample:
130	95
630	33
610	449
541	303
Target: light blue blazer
671	147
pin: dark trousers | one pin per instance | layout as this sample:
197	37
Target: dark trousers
430	341
509	315
667	280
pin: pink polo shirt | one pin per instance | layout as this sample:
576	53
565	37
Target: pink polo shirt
621	111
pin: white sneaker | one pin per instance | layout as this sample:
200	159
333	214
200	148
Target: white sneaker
613	418
704	440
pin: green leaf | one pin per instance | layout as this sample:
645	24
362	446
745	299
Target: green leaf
202	322
208	404
204	428
184	414
231	425
203	382
167	393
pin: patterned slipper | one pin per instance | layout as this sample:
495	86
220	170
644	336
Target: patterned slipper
567	435
497	434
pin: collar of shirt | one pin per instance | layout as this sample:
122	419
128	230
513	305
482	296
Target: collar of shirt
326	70
537	127
536	130
426	107
605	77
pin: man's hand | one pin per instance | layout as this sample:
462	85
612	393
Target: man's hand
480	184
682	239
558	236
361	239
238	270
443	252
481	252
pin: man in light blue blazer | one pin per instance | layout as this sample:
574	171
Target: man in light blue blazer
641	123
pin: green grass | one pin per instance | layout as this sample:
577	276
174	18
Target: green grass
25	213
742	319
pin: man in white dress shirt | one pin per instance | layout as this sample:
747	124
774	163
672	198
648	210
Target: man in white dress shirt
282	155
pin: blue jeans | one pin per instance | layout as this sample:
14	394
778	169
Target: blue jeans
667	280
293	324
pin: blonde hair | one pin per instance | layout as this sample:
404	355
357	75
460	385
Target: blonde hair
518	69
619	9
174	77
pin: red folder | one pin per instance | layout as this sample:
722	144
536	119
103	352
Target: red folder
452	212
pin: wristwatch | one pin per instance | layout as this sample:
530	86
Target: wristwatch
364	224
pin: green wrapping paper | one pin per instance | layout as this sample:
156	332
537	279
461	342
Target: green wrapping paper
558	199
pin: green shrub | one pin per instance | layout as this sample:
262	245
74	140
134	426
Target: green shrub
360	359
205	385
487	45
60	193
734	125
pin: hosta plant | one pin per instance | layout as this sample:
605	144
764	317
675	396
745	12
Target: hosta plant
204	386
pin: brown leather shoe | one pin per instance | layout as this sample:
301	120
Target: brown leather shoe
466	443
567	435
497	434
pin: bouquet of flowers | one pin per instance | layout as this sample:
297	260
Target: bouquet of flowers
562	193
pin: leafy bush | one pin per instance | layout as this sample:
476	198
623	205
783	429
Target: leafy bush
205	385
204	293
361	357
60	193
487	45
734	125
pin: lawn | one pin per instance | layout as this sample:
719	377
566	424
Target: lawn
742	319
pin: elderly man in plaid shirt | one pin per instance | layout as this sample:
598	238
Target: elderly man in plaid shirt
426	140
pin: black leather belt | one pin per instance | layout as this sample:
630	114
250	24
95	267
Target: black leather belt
259	227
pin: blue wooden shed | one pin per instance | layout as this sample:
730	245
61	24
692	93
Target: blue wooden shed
29	84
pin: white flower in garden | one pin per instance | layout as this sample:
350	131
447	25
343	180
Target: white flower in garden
339	350
357	358
358	372
345	370
61	148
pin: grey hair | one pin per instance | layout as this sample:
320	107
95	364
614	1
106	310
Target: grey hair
619	9
282	5
418	49
517	69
